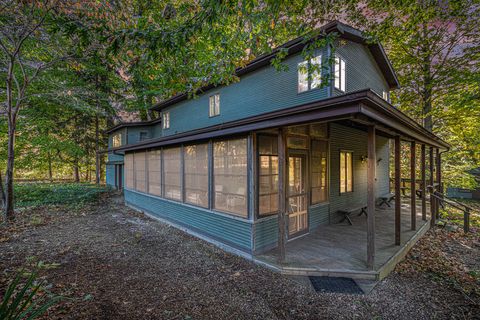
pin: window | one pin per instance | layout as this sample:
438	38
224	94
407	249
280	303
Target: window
346	172
172	173
139	164
230	176
196	174
214	105
309	74
340	73
143	135
117	140
267	175
386	96
129	171
154	172
166	120
319	158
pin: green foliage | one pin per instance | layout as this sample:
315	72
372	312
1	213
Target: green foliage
70	194
24	301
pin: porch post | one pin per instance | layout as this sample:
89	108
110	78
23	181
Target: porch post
372	164
432	199
397	191
282	173
413	182
424	185
439	182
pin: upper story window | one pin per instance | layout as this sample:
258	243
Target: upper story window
166	120
386	96
310	74
214	105
340	79
143	135
117	140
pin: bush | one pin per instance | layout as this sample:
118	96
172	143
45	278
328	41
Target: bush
24	302
74	194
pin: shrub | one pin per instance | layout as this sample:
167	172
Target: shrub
23	302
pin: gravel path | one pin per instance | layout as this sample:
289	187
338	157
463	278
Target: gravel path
117	264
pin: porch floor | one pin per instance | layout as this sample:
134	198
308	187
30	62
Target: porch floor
341	249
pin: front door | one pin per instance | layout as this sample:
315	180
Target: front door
297	195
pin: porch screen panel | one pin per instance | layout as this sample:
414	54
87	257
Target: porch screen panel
154	172
267	175
129	176
230	176
172	173
319	171
196	174
140	173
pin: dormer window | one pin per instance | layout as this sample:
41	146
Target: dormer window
166	120
214	105
340	73
143	135
310	74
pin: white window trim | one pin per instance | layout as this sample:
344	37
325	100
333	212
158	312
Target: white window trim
340	67
214	109
314	79
166	120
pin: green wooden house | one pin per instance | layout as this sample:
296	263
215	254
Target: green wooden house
272	160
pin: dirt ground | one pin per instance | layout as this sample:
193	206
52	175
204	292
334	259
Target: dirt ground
113	263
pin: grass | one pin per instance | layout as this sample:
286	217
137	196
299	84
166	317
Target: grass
70	194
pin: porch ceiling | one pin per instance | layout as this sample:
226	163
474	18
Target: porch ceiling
362	106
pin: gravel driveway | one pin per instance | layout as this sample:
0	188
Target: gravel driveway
117	264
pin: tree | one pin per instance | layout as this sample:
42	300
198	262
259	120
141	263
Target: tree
35	36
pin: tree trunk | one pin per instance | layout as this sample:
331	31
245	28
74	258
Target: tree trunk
97	158
50	171
76	171
427	85
2	191
9	206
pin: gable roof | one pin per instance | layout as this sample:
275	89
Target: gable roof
297	45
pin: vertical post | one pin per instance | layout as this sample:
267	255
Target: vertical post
413	181
282	172
432	189
439	178
424	184
466	220
372	164
397	192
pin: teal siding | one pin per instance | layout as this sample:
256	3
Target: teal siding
318	215
266	233
113	157
229	230
110	175
362	71
347	138
257	92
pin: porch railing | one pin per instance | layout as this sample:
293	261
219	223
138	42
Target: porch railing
443	200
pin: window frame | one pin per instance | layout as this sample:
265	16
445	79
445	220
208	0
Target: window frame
310	74
327	168
184	184
346	173
120	142
258	175
215	111
342	85
212	177
143	135
166	120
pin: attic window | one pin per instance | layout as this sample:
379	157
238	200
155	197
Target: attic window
166	120
340	73
117	140
143	135
309	74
